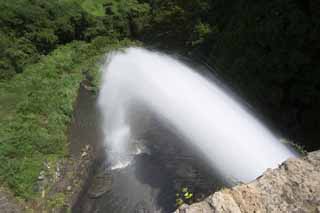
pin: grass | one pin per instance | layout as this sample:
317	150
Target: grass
94	7
36	109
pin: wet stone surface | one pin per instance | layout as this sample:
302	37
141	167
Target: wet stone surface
101	184
8	204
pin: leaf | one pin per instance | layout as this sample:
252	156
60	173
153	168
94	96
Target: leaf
185	189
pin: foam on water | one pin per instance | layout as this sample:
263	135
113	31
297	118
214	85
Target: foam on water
232	140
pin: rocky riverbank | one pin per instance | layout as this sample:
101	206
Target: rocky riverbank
59	189
293	187
8	204
61	182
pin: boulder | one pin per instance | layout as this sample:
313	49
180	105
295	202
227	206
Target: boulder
293	187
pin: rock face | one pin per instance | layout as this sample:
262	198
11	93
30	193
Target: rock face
101	184
8	204
293	187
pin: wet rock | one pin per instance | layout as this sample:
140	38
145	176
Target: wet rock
293	187
58	171
69	188
101	184
141	207
41	176
85	151
8	204
196	208
46	165
84	154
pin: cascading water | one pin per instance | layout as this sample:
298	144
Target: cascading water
231	139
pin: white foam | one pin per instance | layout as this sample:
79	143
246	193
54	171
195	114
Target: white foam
230	138
120	165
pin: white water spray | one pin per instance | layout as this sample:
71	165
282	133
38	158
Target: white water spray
232	140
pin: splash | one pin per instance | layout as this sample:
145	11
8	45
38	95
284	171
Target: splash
229	137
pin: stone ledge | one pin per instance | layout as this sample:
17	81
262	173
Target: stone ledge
293	187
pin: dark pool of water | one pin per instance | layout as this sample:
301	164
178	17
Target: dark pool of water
151	181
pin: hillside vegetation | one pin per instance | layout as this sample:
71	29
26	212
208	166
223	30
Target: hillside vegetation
48	49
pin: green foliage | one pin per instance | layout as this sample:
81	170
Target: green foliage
43	58
36	108
43	95
57	201
129	16
94	7
184	196
201	31
31	28
15	54
177	23
27	31
299	148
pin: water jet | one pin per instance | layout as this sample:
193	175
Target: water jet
235	143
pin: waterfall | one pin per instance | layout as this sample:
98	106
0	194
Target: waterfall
228	136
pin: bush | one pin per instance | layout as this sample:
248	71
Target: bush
37	107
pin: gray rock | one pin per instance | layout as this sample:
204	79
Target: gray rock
8	204
293	187
101	184
41	176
